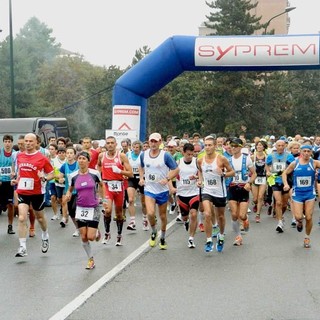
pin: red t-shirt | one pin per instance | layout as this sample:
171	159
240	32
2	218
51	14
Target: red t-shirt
106	167
94	155
28	166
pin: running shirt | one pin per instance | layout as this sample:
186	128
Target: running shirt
187	187
134	160
6	162
278	163
213	183
29	165
241	169
156	169
86	186
260	166
106	167
57	163
304	177
66	169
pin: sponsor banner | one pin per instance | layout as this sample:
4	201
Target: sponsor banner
257	51
126	117
121	135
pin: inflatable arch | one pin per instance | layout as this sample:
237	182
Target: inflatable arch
217	53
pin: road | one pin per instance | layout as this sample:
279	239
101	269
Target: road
271	276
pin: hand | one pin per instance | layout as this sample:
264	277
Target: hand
115	169
286	187
141	182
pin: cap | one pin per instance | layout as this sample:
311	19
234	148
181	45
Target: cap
155	136
62	149
272	137
283	138
237	141
311	138
172	143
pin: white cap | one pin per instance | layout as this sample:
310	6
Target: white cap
172	143
155	136
272	137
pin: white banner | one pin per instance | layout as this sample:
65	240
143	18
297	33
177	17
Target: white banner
257	51
121	135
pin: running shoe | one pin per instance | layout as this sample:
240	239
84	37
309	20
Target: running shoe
246	225
201	227
293	223
179	218
10	229
63	223
76	233
186	225
22	252
237	241
119	240
98	235
31	233
208	247
269	210
257	218
299	226
131	226
248	210
45	245
280	227
163	244
106	238
306	243
215	231
220	243
90	264
172	208
254	208
55	217
191	244
153	239
145	226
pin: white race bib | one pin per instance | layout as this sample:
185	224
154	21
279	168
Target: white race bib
5	171
114	186
84	213
260	180
26	184
152	177
278	166
210	182
135	170
303	182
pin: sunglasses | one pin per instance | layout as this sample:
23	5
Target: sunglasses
233	145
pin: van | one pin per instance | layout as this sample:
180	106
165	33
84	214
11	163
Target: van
44	127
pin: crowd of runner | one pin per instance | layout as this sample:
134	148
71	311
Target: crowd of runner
196	178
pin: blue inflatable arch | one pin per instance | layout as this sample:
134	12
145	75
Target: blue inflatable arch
217	53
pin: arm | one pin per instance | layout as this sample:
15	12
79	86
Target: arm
128	170
284	176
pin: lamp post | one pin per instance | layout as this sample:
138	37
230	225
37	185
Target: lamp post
288	9
13	103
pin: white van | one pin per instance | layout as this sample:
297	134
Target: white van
44	127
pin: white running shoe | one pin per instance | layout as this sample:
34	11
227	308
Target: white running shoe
22	252
76	233
55	217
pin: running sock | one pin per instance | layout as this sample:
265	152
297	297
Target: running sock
45	235
236	227
145	217
209	239
23	242
107	221
119	226
87	248
154	229
163	234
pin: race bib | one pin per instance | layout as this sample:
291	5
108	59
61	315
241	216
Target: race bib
210	182
26	184
114	186
135	170
152	177
84	213
260	180
5	171
303	182
279	166
186	182
236	177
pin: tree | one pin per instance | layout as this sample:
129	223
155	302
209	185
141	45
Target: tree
140	54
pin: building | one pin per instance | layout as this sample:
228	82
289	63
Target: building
267	9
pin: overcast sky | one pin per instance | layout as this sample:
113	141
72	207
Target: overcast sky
107	32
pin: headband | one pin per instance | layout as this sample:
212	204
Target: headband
84	154
306	146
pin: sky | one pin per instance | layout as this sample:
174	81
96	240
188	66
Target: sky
108	32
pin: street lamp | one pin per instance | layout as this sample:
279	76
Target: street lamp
288	9
13	103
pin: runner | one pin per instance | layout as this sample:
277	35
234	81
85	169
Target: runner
32	167
86	182
159	168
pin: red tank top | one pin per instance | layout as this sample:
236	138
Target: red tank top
107	163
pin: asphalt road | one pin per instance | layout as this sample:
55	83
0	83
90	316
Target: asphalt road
271	276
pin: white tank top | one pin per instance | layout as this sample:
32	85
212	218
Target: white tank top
155	170
185	186
214	183
134	163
